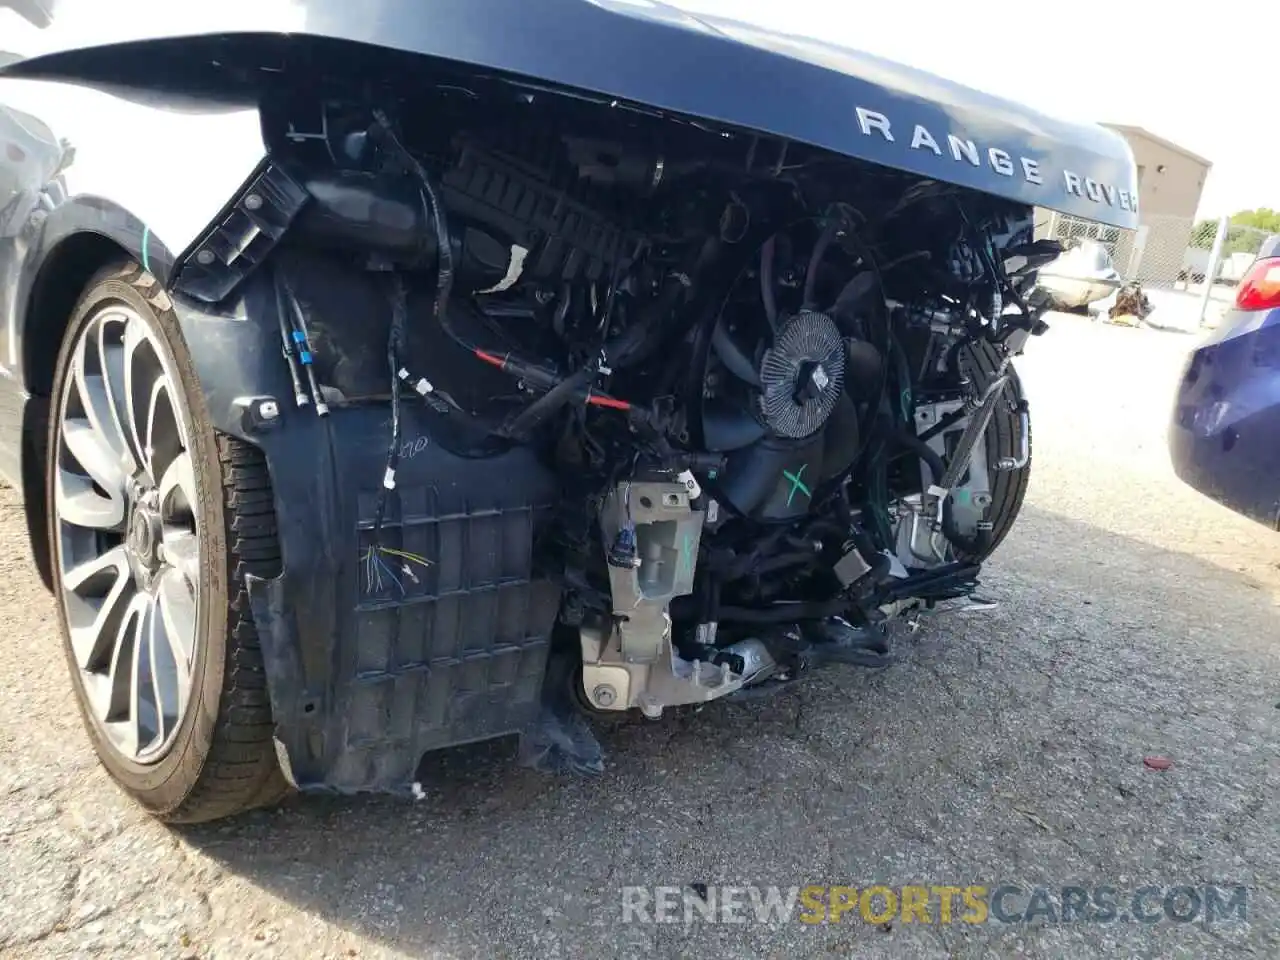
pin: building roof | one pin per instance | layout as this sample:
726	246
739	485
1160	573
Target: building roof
1156	138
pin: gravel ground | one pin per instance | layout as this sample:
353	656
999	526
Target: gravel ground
1135	619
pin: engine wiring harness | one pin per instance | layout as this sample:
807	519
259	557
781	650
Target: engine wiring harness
771	359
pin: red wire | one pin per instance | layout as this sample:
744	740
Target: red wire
593	399
490	358
609	402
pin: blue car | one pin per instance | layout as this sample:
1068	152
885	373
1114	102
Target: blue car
1225	435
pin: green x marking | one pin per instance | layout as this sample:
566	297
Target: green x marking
797	483
686	557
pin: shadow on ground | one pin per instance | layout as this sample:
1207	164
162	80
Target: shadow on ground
1005	746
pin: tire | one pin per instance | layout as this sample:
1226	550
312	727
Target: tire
981	361
214	754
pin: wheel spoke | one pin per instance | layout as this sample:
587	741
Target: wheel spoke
97	594
182	552
100	685
170	652
117	699
124	683
179	479
140	388
113	358
134	719
95	399
93	451
166	438
78	502
176	599
158	390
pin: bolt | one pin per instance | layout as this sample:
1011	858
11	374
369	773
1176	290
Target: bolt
204	257
604	695
268	409
253	202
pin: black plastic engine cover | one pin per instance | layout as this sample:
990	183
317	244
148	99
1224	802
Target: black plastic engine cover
567	239
775	478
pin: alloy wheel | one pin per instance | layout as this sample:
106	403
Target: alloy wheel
127	517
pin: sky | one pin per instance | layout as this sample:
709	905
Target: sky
1188	74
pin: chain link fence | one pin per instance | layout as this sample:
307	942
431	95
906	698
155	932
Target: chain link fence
1169	254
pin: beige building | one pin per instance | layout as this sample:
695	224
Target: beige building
1170	181
1170	178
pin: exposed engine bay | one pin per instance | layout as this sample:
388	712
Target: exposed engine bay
772	383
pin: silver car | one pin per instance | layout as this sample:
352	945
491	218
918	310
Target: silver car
1080	276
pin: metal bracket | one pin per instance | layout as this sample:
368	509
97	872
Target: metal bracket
611	682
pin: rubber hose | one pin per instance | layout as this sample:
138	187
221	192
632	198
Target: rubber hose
766	283
815	260
537	412
912	443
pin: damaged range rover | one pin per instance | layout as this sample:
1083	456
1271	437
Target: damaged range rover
502	395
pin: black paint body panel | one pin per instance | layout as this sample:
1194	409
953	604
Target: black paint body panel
648	54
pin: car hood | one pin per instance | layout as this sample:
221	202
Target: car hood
651	54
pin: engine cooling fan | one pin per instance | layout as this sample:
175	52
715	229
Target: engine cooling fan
802	375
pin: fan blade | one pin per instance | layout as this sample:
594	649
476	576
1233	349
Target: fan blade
735	361
726	427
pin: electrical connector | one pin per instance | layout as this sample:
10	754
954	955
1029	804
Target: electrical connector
304	354
691	485
423	386
623	552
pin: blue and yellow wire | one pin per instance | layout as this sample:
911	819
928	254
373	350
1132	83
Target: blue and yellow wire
382	561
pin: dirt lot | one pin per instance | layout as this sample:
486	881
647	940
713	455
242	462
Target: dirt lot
1135	619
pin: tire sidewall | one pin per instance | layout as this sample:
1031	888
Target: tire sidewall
161	786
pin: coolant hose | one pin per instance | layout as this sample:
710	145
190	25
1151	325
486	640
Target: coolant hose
547	404
910	442
820	248
767	295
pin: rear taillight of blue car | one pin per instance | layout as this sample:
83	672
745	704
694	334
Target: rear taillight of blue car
1260	288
